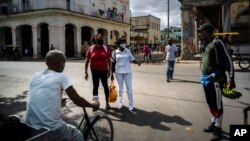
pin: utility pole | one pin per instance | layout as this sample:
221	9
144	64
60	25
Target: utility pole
168	19
249	19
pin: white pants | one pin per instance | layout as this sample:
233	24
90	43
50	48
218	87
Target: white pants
127	78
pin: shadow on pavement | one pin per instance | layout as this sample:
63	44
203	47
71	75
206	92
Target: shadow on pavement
186	81
140	117
13	105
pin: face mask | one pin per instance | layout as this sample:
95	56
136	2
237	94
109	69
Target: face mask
100	42
123	45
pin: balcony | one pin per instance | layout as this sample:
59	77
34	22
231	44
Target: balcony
9	8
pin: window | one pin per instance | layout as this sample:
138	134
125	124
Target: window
114	9
114	3
102	6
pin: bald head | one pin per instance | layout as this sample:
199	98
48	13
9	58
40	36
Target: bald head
54	58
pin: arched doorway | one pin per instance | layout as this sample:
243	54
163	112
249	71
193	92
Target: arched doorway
5	36
241	25
69	40
87	34
104	33
114	35
25	34
44	39
125	35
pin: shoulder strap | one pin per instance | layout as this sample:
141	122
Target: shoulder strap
105	47
114	54
91	48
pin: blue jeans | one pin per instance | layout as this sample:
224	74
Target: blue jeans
66	133
170	69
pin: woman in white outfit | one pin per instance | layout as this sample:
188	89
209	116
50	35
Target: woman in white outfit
123	56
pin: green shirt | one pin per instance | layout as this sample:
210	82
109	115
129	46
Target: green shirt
216	58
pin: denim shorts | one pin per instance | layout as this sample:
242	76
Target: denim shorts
66	132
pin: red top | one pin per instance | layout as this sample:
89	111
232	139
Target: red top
146	49
98	58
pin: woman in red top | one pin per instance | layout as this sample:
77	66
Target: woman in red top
98	55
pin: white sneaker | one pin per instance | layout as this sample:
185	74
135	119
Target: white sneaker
131	108
120	106
95	98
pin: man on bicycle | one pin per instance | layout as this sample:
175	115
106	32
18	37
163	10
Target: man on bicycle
45	99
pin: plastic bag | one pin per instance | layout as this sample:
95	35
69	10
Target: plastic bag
112	93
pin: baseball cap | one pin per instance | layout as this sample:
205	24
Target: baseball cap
207	27
120	40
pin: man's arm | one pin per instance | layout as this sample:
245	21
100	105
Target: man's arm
227	60
78	100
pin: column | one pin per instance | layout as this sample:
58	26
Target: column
61	35
51	35
227	19
188	30
78	42
108	41
34	33
13	32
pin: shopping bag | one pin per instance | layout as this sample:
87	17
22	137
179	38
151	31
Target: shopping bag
112	92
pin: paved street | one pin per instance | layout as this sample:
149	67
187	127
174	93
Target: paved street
163	111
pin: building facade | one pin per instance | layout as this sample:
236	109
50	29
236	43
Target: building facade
145	30
224	15
34	25
171	33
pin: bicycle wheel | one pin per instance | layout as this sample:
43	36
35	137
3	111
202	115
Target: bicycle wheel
103	128
244	64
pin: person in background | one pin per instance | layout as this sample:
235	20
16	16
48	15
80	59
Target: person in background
228	44
146	53
216	60
150	55
45	99
52	47
98	56
170	52
123	72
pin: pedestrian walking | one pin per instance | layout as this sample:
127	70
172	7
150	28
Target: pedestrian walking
98	56
146	53
216	60
52	47
150	55
170	52
123	56
45	99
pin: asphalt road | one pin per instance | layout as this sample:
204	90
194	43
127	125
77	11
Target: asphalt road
163	111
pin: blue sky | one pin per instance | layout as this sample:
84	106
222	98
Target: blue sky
158	8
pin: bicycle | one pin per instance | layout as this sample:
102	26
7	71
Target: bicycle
99	128
244	63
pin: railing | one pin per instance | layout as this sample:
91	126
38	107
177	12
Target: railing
15	8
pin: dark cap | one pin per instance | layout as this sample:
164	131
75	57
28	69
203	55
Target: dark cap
207	27
120	40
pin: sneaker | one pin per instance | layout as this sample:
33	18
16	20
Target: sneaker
107	107
217	133
95	98
131	108
120	106
210	128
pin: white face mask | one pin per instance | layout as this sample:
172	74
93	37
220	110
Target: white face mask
123	45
